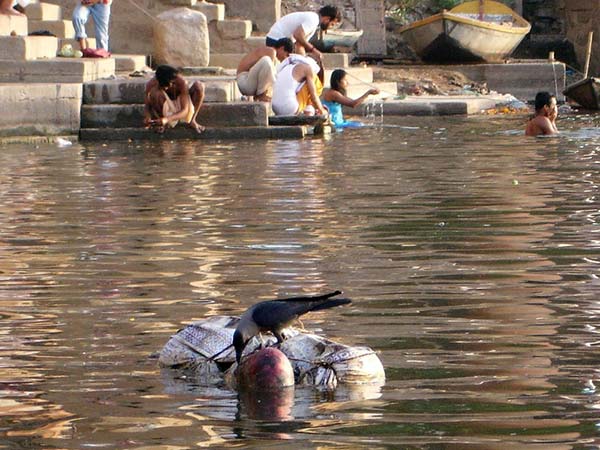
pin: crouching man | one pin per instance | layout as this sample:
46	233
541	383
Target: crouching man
256	70
169	100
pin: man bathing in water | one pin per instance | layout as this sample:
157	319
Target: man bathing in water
169	100
544	120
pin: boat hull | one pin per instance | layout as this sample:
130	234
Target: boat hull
585	92
461	37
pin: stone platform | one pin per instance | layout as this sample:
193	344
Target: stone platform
521	78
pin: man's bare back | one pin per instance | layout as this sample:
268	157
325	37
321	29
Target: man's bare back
252	58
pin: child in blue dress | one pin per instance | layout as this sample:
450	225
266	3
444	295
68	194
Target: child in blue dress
335	97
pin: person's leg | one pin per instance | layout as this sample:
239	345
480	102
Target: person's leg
81	15
7	9
264	72
197	97
101	15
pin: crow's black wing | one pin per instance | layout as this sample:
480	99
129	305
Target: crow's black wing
277	313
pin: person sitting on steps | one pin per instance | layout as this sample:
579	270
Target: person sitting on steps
169	100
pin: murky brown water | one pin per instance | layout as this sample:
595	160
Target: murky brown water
472	255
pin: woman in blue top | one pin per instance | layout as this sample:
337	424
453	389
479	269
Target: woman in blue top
335	97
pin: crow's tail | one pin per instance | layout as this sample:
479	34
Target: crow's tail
331	303
313	298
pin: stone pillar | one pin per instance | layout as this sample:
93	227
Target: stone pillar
370	17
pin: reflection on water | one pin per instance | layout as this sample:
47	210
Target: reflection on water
470	251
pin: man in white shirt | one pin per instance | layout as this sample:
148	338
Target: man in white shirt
300	27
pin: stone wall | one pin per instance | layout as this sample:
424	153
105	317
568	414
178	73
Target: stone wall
581	17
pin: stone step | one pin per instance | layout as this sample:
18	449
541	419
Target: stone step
59	28
13	25
129	63
234	28
242	133
212	11
239	114
26	48
131	90
231	60
43	11
40	109
56	70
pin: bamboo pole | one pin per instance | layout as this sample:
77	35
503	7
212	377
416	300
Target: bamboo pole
588	54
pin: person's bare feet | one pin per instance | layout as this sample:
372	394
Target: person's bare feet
262	98
196	126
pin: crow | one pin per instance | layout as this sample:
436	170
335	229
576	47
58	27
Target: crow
275	315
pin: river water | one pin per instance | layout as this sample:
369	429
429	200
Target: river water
471	253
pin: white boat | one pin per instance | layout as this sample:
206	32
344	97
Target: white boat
336	38
482	30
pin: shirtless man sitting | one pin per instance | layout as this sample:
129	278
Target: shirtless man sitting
169	100
256	70
544	120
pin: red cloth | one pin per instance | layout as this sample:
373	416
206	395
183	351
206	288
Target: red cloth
95	53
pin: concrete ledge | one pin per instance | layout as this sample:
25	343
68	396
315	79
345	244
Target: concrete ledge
10	24
242	114
242	133
212	11
131	90
234	28
25	48
60	28
43	11
40	109
56	70
432	106
129	63
523	79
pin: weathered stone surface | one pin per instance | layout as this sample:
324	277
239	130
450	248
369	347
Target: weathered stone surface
56	70
40	109
13	24
523	80
244	133
129	63
181	38
242	114
59	28
234	28
22	48
212	11
43	11
129	91
262	13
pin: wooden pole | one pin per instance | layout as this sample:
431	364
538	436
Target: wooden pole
481	10
588	54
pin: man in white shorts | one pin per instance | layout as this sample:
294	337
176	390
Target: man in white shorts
300	27
256	70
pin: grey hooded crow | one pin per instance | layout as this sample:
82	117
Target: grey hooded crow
275	315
